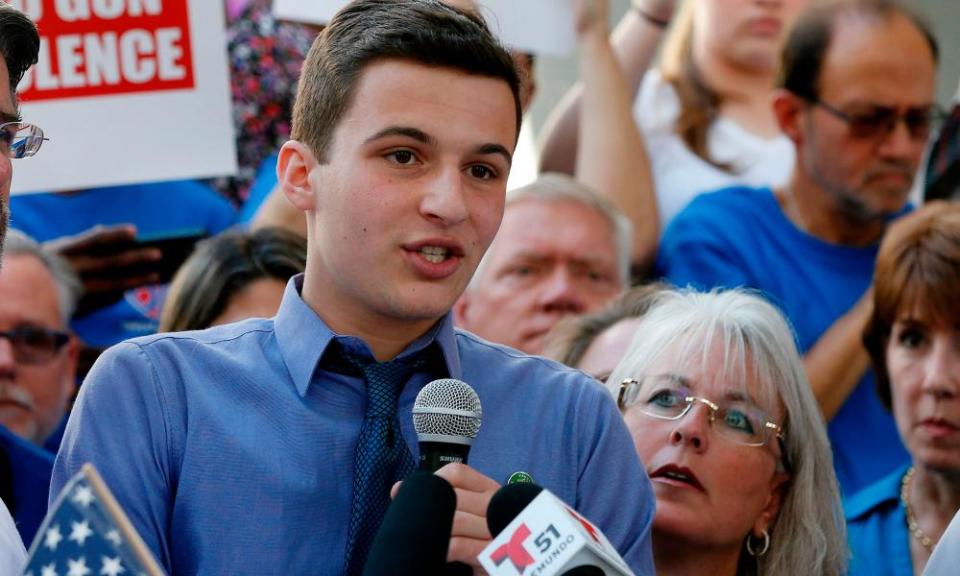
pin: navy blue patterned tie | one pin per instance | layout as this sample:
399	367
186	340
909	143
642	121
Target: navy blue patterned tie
382	457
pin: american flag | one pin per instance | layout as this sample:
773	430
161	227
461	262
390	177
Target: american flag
87	534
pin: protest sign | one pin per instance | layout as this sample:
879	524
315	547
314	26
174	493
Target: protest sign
127	91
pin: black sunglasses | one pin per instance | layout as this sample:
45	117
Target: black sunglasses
34	345
880	121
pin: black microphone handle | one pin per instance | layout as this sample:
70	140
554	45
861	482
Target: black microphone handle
436	455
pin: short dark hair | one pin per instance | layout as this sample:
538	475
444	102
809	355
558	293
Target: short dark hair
801	62
423	31
917	272
19	44
222	266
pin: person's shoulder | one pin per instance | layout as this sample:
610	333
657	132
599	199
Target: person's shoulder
249	333
726	211
656	106
880	495
518	368
739	198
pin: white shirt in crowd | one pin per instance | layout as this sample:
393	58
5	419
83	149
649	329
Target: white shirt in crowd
945	559
679	175
13	556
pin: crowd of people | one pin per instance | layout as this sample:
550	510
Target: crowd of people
722	324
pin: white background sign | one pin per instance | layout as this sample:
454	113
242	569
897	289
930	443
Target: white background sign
540	26
138	92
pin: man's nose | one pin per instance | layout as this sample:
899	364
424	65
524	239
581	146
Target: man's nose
444	200
899	144
561	292
8	360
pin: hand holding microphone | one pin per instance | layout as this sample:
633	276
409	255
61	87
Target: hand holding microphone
447	416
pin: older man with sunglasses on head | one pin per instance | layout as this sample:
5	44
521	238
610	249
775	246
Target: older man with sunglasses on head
859	113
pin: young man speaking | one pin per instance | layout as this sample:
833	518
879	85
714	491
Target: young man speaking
270	446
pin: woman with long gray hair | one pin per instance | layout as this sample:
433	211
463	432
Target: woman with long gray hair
721	413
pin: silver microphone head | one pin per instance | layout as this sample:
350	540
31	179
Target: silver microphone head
447	410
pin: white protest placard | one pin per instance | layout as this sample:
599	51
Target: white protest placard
127	91
539	26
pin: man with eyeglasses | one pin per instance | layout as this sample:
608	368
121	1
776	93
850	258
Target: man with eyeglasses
857	99
19	44
38	361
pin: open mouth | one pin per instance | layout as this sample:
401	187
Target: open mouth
435	254
678	474
435	251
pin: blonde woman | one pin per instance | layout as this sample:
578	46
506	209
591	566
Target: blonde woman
721	413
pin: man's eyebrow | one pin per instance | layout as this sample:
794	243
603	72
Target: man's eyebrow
8	117
496	149
406	131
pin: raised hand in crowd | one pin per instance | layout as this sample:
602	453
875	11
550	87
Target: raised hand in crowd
610	156
108	262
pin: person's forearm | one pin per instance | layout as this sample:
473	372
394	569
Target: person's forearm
611	157
635	44
838	360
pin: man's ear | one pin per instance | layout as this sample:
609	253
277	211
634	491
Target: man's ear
788	108
294	165
460	310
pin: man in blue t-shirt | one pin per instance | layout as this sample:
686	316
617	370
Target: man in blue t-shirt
859	113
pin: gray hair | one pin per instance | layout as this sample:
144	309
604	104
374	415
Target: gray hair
808	536
555	187
68	283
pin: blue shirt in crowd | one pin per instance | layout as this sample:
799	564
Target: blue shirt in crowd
877	529
155	208
232	449
27	470
740	237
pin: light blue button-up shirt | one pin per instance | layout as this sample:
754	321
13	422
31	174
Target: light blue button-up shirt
232	450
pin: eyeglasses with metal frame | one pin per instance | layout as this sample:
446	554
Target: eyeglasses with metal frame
668	397
35	345
20	139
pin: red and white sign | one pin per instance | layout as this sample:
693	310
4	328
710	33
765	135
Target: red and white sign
549	538
127	91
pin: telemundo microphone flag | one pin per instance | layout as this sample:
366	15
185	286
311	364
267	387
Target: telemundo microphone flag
86	533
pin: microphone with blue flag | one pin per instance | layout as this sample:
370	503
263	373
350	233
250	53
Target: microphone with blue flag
87	533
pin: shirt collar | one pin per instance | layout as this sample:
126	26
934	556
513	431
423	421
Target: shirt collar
874	495
303	338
